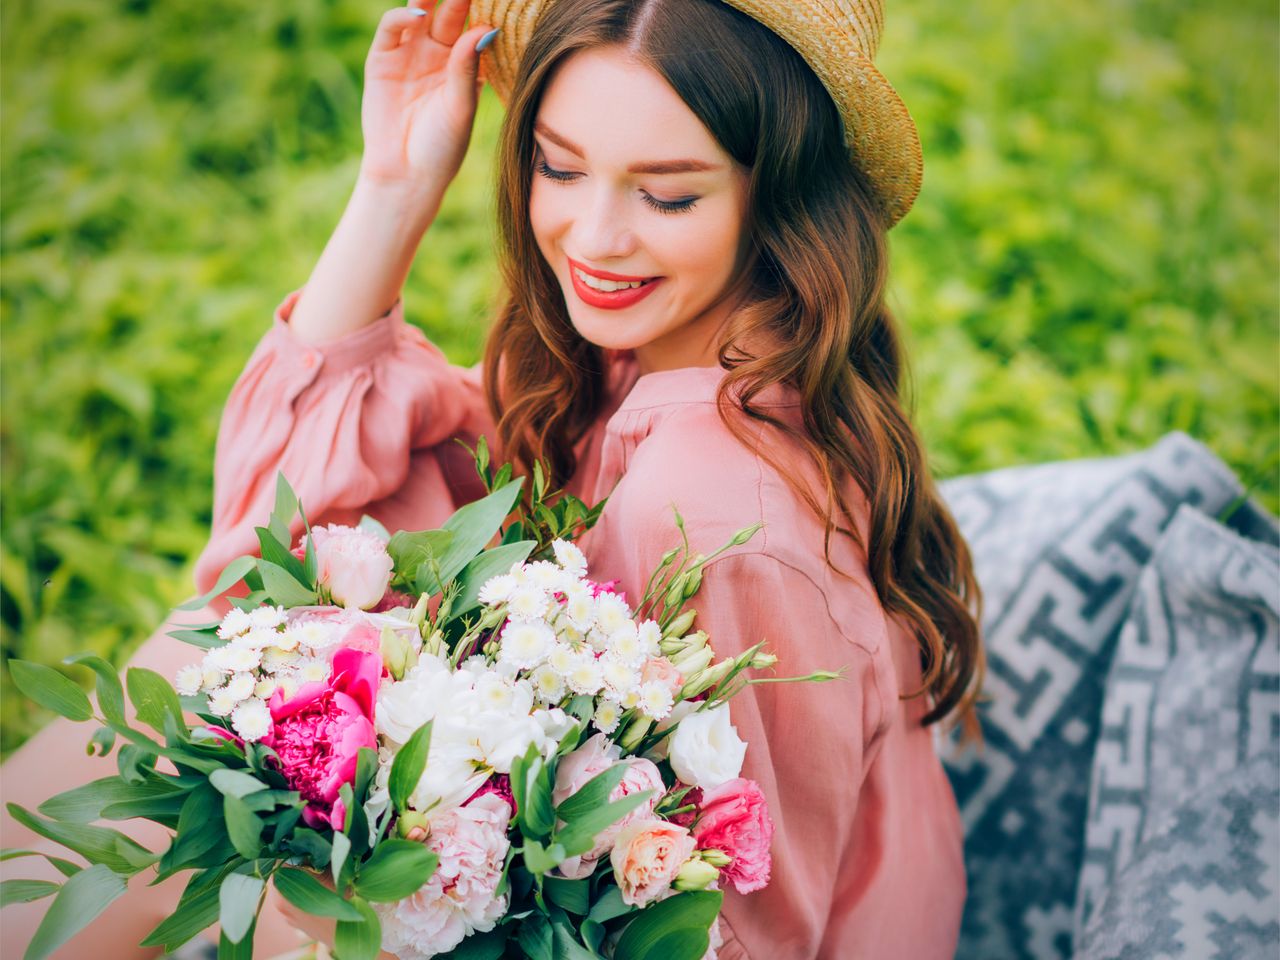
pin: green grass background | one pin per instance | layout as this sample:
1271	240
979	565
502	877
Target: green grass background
1092	262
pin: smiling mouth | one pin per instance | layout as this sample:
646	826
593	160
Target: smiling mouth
608	286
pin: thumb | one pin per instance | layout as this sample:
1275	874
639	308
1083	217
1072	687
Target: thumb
463	70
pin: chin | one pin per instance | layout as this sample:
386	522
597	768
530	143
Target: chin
606	335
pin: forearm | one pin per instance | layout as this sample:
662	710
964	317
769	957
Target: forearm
363	267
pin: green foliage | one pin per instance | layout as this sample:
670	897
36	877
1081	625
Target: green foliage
1091	263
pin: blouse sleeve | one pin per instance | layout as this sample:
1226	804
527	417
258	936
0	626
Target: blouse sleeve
341	419
806	746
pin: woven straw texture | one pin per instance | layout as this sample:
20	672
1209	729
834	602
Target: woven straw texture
837	38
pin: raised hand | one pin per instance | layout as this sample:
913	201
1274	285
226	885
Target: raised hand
420	91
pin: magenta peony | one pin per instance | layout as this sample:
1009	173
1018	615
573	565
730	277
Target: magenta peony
317	733
734	818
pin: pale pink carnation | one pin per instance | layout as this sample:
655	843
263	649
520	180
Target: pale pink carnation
459	899
646	857
734	818
352	564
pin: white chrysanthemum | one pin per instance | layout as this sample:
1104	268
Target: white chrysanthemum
314	670
289	640
608	713
221	702
548	684
625	645
655	699
612	613
238	659
241	686
260	637
650	634
630	699
211	678
264	688
275	660
267	618
234	623
525	644
189	680
251	719
561	658
585	677
570	634
570	557
598	640
580	607
546	575
497	589
288	686
313	635
619	676
527	603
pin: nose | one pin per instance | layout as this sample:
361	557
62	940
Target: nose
602	230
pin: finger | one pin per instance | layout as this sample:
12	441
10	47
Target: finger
446	25
464	65
394	23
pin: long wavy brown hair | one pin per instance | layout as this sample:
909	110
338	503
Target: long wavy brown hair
815	289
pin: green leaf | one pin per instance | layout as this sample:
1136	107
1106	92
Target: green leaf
407	767
489	564
610	906
539	857
359	939
652	928
286	504
80	901
25	891
201	827
480	946
275	552
235	783
282	587
85	804
153	698
594	793
101	741
366	768
64	867
311	896
241	949
238	904
534	937
98	845
110	693
51	689
397	869
580	836
472	527
534	811
204	639
232	574
369	525
244	827
312	845
572	895
567	947
341	848
410	549
197	910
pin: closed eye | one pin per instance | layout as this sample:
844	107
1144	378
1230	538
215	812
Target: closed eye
662	206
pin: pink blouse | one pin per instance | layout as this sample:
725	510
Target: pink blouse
867	851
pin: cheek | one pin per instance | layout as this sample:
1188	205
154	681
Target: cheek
702	249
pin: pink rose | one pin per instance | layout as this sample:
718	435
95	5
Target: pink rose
352	565
595	756
641	775
734	818
646	858
317	734
664	671
460	898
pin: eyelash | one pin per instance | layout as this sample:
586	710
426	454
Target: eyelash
662	206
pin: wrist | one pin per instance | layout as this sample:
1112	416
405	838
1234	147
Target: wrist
411	200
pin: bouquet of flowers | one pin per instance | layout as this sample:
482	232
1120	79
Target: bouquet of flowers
449	749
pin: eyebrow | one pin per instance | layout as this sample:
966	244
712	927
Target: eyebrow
652	166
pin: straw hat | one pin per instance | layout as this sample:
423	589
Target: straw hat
837	38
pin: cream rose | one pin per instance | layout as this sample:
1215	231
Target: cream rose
647	855
353	565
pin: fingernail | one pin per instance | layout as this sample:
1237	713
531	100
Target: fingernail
418	13
487	39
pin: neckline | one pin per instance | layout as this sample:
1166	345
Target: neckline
687	385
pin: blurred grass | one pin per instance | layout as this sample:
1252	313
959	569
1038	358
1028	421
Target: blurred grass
1093	260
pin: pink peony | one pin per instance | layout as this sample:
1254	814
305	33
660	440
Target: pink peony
317	734
459	899
641	775
734	818
646	858
500	786
352	565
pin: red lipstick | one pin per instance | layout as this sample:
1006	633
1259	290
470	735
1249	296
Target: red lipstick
610	300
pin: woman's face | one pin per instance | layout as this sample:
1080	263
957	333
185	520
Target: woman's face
628	186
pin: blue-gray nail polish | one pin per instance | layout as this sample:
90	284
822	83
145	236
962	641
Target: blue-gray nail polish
418	13
487	39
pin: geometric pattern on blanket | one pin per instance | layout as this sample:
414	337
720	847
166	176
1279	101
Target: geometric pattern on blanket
1057	549
1182	838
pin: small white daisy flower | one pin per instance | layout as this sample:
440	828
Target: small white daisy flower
527	603
611	613
655	700
570	557
619	677
312	635
288	686
545	575
630	699
275	660
241	686
650	634
259	637
264	688
221	702
525	644
252	719
211	678
548	684
580	608
497	589
267	618
585	677
239	659
314	670
233	624
189	680
625	645
561	658
608	713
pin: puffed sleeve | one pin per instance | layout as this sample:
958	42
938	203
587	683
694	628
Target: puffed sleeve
346	421
806	747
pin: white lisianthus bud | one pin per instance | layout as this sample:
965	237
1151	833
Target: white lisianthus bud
692	662
696	874
352	565
706	750
680	625
717	858
706	679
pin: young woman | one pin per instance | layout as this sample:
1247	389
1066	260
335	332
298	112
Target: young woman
693	202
